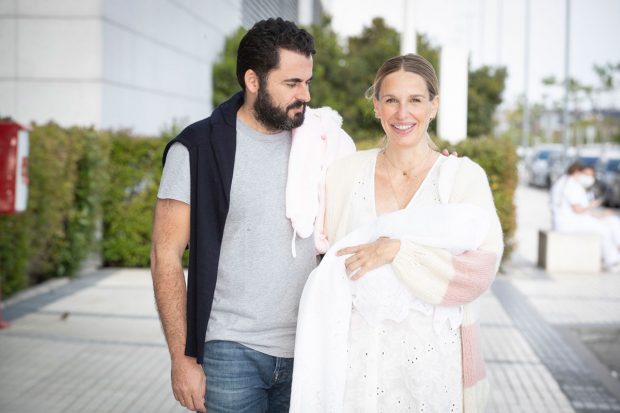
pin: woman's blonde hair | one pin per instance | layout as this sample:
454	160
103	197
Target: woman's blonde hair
412	63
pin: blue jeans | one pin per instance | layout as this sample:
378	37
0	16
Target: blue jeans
242	380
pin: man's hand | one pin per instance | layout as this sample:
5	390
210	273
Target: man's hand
445	152
367	257
189	383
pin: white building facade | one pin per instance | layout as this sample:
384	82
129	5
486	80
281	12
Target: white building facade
137	64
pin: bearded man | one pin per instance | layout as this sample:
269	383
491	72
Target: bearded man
231	330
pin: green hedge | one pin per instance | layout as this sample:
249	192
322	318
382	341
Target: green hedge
135	169
14	249
92	179
498	157
55	234
79	178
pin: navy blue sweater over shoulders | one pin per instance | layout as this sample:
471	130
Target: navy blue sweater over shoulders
211	143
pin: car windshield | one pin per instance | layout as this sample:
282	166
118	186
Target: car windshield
612	165
543	155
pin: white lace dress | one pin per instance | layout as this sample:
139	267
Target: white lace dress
408	366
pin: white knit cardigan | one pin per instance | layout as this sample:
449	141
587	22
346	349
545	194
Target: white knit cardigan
433	274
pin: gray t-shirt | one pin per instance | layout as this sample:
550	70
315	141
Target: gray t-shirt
259	283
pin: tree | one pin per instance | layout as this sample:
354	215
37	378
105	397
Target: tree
609	76
225	81
609	80
366	53
485	88
330	67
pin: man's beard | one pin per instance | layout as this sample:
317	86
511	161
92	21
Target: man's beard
275	118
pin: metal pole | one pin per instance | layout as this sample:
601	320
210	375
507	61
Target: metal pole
525	139
566	117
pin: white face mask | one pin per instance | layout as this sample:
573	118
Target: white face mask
586	180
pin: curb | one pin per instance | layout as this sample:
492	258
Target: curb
43	288
90	266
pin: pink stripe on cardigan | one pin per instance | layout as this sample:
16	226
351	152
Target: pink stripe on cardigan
474	272
473	363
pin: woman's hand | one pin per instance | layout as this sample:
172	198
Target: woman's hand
367	257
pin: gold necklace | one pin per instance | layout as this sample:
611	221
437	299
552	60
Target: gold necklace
392	187
406	172
415	177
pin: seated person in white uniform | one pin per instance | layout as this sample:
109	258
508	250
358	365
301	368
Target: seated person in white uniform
573	211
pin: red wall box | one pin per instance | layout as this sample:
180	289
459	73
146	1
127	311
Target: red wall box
13	167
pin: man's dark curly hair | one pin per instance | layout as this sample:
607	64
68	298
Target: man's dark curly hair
259	48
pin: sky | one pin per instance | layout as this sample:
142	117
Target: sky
494	33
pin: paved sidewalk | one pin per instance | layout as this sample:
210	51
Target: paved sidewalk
536	360
95	345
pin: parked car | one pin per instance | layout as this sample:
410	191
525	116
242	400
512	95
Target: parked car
558	168
608	174
539	164
610	177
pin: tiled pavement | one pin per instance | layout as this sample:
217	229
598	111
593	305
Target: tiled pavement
95	345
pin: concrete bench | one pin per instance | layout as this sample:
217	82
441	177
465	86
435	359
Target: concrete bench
561	252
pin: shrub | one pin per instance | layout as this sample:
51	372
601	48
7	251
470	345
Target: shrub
80	177
134	170
498	157
53	236
92	179
14	251
54	156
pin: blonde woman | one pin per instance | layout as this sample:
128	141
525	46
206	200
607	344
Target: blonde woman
388	321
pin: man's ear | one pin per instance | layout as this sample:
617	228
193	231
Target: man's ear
252	82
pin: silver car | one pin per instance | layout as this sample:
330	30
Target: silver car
540	164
